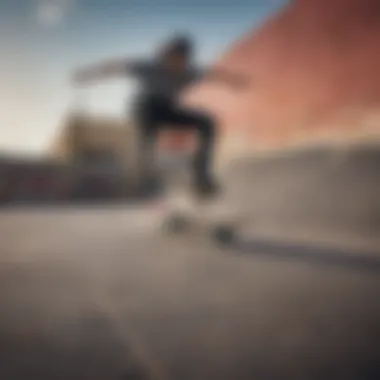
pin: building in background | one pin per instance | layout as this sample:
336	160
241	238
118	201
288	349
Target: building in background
91	159
26	179
82	134
100	151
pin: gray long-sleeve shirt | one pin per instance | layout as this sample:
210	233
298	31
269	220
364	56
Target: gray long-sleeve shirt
156	80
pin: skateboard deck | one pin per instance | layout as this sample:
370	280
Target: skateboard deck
184	212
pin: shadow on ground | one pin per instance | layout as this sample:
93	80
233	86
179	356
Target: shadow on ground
367	261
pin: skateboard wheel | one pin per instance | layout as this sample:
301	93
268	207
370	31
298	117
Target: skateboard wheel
224	235
176	224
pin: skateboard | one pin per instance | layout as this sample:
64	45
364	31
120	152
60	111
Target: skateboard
185	213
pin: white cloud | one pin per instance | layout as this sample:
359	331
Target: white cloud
52	12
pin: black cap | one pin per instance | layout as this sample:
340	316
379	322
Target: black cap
181	44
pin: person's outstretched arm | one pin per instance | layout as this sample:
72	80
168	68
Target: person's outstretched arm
105	70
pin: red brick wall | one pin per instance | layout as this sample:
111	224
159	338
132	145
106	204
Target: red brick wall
310	65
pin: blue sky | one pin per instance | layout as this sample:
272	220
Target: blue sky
43	40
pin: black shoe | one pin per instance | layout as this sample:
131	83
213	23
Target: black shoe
206	187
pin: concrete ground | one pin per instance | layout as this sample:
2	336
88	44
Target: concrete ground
101	294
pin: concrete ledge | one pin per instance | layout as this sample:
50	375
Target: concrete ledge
325	191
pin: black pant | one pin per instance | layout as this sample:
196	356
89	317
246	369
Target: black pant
154	115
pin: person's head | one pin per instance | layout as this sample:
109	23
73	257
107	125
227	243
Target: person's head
178	52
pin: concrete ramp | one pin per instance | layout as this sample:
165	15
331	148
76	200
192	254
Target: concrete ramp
320	191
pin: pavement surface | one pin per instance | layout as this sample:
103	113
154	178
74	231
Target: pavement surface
100	293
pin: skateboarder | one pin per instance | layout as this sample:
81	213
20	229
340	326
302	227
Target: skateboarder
157	105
